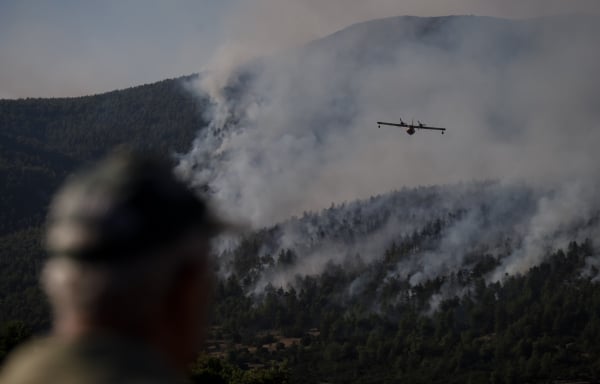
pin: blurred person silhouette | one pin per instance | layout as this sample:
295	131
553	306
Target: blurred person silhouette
128	277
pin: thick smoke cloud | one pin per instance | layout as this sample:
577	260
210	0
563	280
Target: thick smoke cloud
296	131
300	133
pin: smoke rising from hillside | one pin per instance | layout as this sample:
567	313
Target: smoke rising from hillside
296	131
304	135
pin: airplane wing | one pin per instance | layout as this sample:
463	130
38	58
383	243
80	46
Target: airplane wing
392	124
430	128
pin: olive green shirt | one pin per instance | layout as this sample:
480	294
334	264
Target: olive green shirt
92	360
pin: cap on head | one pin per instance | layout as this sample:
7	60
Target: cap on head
121	208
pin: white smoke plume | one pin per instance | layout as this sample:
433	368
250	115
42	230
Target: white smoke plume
295	131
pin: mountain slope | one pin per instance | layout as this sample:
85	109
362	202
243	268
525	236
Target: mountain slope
42	140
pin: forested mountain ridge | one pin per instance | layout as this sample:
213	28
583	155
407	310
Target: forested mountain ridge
539	327
42	140
413	285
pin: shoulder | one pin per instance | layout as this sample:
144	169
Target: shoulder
87	361
29	360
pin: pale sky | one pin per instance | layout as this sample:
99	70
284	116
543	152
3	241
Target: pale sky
79	47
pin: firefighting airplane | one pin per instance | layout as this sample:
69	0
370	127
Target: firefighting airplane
411	127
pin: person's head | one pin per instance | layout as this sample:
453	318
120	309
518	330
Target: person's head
128	246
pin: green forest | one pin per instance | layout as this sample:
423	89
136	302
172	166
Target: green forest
541	326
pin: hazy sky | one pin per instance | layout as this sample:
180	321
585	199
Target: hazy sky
78	47
74	47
